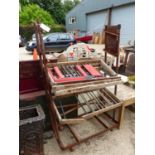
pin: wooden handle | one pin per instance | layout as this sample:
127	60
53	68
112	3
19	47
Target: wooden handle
107	69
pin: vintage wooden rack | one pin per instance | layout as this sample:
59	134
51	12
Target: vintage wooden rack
86	83
76	101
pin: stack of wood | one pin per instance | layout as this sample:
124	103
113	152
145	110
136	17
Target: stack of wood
98	38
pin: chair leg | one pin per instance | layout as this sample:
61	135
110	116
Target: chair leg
121	116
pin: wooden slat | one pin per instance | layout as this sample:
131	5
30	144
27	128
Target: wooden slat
97	61
86	88
57	112
76	136
70	110
31	96
60	87
110	96
72	121
87	116
105	98
129	102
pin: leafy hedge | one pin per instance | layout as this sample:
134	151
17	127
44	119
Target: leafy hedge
58	28
27	31
33	12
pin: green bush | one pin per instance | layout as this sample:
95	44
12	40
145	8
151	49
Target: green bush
28	31
32	12
58	28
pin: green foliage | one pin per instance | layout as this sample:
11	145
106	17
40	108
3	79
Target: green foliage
56	8
32	12
28	31
58	28
68	5
23	2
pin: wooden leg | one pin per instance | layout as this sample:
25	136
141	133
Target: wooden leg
114	111
121	116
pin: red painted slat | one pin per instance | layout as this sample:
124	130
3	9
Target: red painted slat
69	79
92	70
58	72
81	70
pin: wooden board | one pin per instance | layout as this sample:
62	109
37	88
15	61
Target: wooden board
77	88
112	36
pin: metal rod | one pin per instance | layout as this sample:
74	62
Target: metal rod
70	71
83	97
87	138
99	120
103	101
103	90
93	100
74	133
73	70
68	105
73	67
70	110
100	102
110	117
107	101
65	72
64	116
81	105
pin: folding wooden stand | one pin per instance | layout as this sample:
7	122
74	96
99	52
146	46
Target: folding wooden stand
90	100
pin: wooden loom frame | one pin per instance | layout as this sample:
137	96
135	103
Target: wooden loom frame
56	119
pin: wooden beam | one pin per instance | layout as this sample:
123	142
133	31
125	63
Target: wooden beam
91	87
72	121
129	101
107	69
95	113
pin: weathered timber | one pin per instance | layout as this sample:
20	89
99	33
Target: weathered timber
88	87
107	69
95	113
93	61
60	87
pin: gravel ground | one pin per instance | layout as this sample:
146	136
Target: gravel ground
117	142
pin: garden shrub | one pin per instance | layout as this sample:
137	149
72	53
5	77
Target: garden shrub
31	13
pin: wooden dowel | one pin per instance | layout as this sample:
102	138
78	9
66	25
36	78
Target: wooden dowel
69	111
94	101
85	100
